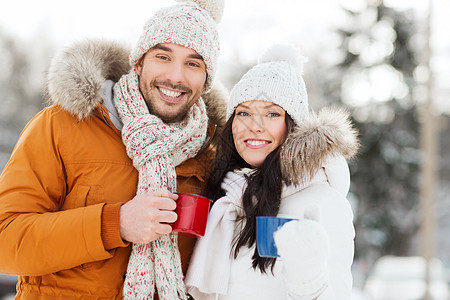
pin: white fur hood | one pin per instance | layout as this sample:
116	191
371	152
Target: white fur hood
320	137
78	74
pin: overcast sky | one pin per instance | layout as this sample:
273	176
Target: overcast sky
249	25
66	21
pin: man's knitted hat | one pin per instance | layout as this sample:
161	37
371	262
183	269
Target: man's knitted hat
276	78
192	24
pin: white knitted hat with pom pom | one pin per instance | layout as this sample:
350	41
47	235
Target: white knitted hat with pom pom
276	78
192	24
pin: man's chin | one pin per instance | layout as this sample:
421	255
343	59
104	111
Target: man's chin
169	117
167	111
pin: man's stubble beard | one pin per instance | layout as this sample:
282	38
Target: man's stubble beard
177	115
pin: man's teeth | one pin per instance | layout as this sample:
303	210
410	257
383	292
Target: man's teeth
256	143
169	93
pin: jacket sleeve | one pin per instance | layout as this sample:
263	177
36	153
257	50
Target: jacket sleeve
337	221
36	237
303	247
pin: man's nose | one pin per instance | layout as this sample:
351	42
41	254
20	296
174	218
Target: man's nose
175	73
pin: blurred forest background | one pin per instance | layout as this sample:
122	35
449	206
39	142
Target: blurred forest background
375	63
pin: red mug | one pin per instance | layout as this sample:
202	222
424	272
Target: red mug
192	211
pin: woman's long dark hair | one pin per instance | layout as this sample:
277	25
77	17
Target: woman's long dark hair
264	186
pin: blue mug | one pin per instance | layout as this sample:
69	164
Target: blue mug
265	228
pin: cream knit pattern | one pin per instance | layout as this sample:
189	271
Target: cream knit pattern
192	24
156	149
277	78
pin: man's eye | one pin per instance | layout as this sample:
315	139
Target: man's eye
193	64
162	57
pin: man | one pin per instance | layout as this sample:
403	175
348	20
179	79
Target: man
79	189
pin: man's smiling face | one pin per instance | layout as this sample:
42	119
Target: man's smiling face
171	79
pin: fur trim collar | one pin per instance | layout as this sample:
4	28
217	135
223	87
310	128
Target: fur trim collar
77	75
320	136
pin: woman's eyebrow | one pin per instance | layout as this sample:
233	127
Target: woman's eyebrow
271	105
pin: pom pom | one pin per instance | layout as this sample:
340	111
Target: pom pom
213	7
286	53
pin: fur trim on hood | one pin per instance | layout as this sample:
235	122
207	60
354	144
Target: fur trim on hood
319	137
77	75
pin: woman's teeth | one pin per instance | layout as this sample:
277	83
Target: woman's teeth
256	143
169	93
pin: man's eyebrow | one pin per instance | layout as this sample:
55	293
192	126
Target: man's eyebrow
165	48
161	47
196	56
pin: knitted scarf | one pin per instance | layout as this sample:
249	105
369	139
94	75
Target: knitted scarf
156	149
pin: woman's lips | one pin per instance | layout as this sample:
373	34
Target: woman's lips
256	143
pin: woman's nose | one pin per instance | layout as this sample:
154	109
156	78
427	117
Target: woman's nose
256	124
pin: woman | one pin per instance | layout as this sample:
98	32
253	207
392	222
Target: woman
276	158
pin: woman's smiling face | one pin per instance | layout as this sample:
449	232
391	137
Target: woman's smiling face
258	128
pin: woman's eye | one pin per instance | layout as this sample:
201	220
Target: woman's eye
273	114
243	114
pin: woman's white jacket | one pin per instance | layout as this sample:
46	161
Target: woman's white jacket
318	261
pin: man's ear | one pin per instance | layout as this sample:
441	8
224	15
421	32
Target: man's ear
139	65
204	86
